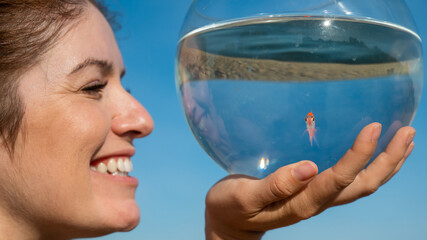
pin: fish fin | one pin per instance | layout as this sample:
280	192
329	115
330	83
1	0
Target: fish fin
315	141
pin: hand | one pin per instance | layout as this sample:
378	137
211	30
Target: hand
242	207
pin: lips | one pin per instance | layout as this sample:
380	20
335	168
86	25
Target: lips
116	166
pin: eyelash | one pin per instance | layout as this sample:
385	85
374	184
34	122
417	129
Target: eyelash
95	88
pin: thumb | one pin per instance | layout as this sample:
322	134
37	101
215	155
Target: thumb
284	182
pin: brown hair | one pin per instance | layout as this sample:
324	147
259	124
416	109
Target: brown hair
28	29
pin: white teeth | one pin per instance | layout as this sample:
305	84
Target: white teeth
112	165
120	165
120	174
101	168
128	165
116	167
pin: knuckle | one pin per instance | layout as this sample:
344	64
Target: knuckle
236	198
211	199
280	187
239	197
304	209
370	188
342	180
394	158
307	212
362	150
389	161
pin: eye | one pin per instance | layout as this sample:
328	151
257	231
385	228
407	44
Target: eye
94	89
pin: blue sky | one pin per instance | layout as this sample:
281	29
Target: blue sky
175	173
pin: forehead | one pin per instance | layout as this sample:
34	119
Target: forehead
89	37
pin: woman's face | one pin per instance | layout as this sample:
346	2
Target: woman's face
77	117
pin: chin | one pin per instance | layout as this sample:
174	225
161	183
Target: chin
121	217
126	217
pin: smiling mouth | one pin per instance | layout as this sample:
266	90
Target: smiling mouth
120	166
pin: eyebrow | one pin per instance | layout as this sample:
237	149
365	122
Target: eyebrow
105	66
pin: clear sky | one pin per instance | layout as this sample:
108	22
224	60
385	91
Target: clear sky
175	173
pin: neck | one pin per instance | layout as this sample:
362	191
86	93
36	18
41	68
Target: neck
12	227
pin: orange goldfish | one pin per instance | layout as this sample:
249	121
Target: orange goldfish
311	127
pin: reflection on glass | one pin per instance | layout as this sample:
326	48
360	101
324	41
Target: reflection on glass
263	163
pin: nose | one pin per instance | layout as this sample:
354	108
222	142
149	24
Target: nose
131	119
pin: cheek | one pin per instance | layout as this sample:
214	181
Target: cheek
70	130
49	177
54	159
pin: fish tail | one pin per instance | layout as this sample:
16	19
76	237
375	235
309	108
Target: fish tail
315	140
313	137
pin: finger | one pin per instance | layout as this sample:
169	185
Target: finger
381	169
326	186
399	166
342	174
385	164
284	182
356	158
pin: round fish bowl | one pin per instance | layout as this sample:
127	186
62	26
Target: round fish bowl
267	83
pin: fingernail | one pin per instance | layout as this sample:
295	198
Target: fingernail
376	132
304	171
410	138
409	150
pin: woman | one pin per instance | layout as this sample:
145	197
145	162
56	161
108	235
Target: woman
70	114
67	128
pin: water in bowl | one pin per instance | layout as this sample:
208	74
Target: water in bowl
246	87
